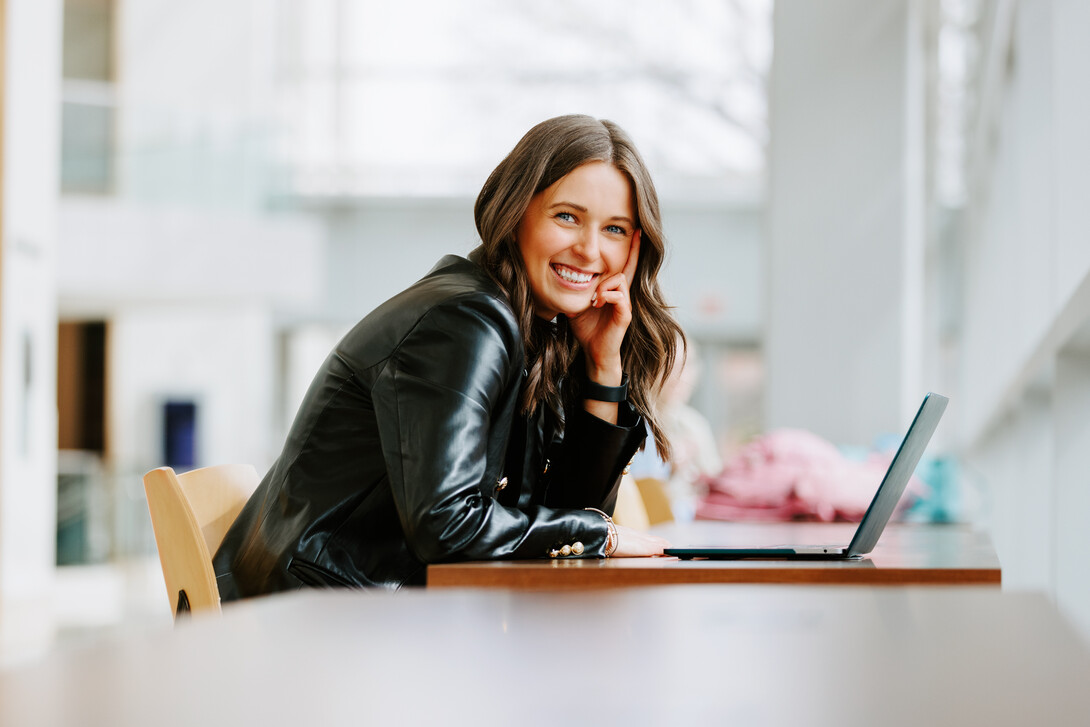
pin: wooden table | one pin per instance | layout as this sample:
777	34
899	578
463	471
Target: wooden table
906	554
690	655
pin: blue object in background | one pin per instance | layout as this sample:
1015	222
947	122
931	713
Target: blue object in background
180	434
944	503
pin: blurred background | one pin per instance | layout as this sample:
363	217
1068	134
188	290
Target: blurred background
864	201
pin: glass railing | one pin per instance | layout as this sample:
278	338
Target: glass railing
102	515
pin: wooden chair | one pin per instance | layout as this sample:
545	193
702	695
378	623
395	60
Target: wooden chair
190	514
655	500
629	510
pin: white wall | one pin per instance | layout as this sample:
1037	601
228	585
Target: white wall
1070	55
714	272
1025	345
195	102
1011	251
845	250
116	253
377	247
28	360
222	357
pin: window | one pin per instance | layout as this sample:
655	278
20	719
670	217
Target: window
87	97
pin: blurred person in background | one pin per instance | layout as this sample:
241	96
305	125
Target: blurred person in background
695	454
682	476
489	410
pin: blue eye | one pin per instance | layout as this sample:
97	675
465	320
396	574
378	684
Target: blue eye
614	229
566	216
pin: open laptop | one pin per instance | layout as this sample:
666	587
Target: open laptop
878	514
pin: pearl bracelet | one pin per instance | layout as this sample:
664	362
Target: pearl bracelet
611	537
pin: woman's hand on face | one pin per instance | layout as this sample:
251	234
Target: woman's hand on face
601	328
632	543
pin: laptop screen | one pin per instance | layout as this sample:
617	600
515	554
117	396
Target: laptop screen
897	476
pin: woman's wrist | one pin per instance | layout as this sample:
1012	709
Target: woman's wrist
606	373
612	539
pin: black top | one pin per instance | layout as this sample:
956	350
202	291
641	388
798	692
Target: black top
409	449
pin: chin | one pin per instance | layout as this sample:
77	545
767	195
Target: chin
565	306
573	312
569	307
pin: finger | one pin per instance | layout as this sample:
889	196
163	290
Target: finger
617	281
613	282
613	297
614	287
633	257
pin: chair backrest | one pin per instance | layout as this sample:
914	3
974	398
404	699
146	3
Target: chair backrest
655	500
190	514
630	510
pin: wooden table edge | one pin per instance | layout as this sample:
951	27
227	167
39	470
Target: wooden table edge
452	576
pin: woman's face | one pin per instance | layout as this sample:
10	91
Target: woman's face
575	233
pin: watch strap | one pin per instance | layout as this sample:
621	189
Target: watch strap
598	392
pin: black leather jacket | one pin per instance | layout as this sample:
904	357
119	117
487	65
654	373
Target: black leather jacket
408	449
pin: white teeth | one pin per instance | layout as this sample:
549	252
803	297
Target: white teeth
573	277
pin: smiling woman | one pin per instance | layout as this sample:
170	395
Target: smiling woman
489	410
581	250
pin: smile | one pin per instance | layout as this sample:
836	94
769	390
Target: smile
572	275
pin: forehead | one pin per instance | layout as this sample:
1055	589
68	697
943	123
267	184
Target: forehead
595	182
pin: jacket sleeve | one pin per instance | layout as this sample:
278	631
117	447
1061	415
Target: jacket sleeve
585	467
435	401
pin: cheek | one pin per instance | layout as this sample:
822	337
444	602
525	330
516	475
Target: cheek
536	243
616	255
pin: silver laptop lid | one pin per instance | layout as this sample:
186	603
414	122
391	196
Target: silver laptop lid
897	476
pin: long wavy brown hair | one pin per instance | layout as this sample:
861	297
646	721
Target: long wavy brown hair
548	152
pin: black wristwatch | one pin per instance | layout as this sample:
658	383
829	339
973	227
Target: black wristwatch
597	392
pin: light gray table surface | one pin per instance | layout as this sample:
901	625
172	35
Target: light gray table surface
706	654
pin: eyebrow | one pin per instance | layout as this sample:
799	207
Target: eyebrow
581	208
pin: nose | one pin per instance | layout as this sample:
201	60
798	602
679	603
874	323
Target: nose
588	247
